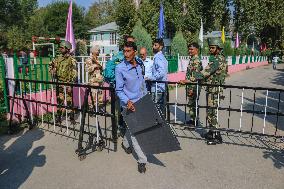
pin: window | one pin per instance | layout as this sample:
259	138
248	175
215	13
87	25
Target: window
112	38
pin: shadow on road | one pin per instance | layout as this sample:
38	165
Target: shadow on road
17	160
277	156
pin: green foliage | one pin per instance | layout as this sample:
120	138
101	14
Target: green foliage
81	48
16	38
125	16
56	16
100	13
36	24
143	39
261	17
179	45
228	50
205	49
215	14
14	17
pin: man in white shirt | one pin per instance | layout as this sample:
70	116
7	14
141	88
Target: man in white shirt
148	64
274	61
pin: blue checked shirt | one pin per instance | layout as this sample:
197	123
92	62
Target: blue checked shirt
130	83
159	72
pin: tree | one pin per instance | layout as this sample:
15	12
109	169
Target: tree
179	45
125	16
148	13
56	16
36	24
215	14
228	50
262	18
100	13
143	39
16	39
15	15
190	17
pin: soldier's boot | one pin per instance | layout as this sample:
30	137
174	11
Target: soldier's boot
218	137
72	118
141	167
58	119
209	136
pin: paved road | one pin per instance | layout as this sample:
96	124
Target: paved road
42	159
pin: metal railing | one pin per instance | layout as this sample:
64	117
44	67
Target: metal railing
42	109
240	109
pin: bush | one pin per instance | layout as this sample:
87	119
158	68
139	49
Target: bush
143	38
179	45
228	50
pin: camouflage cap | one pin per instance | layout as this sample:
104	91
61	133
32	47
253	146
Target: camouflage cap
66	44
215	42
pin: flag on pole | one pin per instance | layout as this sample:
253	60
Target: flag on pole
161	22
223	35
237	43
69	36
201	34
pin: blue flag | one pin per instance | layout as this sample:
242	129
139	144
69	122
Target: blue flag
161	22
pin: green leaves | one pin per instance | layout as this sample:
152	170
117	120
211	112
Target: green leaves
179	45
143	39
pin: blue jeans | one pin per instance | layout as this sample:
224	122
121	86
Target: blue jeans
160	99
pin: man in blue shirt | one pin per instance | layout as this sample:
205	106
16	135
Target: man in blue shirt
130	87
159	73
148	65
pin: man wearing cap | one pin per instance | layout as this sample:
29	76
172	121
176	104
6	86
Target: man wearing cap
63	69
214	73
194	68
95	69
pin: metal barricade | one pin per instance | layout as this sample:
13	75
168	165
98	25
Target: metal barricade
82	112
238	109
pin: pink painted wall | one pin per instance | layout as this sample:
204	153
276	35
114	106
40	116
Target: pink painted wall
239	67
175	77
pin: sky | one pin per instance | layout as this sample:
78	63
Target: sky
83	3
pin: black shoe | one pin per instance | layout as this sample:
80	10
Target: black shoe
141	167
210	138
218	137
127	150
190	123
58	120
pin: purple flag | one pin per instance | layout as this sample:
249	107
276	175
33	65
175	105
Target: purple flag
69	29
237	41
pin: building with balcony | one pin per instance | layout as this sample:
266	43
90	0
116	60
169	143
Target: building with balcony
106	36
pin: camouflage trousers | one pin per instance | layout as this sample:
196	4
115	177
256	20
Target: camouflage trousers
97	97
60	93
192	96
212	103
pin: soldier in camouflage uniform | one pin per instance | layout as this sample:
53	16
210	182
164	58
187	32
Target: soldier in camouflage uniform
194	68
63	69
214	73
95	69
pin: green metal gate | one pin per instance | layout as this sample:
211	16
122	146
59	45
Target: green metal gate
4	106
